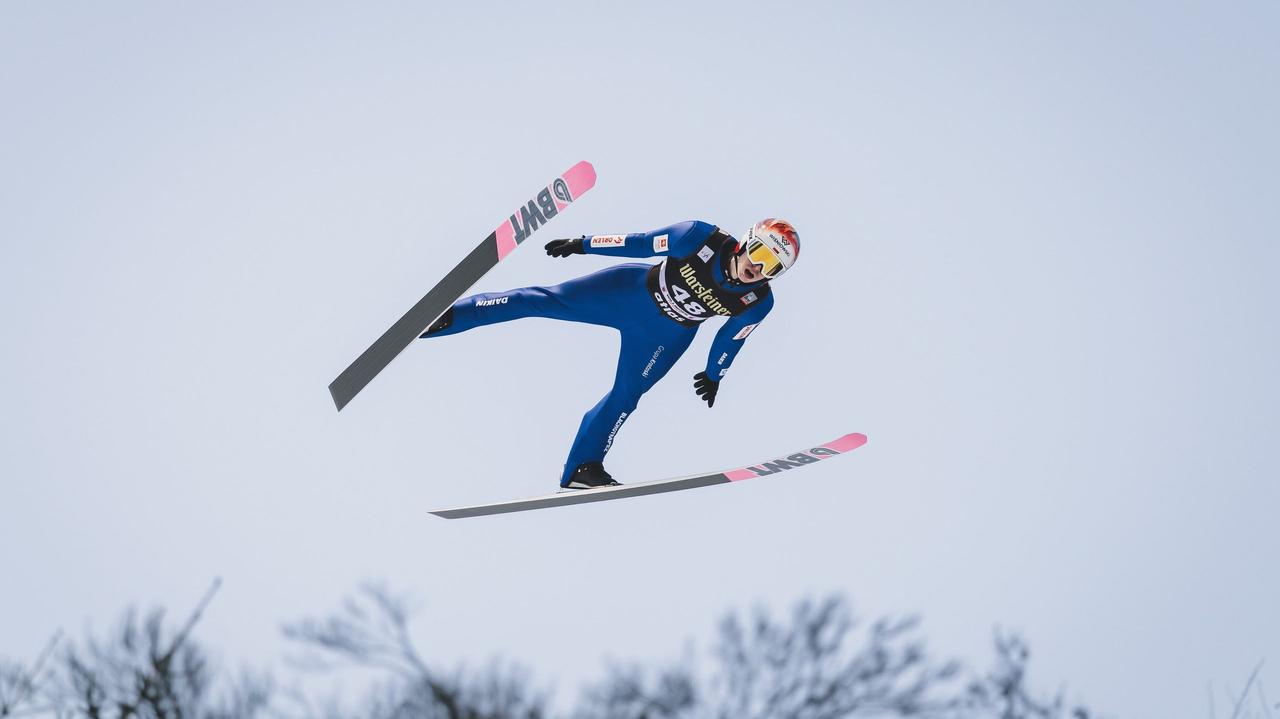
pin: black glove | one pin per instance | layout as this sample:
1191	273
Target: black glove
706	388
564	248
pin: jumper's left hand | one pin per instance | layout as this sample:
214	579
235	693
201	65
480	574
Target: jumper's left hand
706	388
564	248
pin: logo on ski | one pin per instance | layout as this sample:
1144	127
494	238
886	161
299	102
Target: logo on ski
798	459
847	443
561	189
535	213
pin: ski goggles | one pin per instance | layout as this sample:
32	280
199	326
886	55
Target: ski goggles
758	253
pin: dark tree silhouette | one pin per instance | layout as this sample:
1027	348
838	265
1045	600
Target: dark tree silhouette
805	668
143	671
20	686
1003	692
372	630
818	662
821	665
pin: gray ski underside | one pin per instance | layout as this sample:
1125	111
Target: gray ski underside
414	322
582	496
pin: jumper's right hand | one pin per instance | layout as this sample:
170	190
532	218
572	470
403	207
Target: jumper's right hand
706	388
564	248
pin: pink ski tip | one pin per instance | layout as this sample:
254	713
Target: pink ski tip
581	177
847	443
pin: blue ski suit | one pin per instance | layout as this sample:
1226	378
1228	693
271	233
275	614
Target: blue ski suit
657	309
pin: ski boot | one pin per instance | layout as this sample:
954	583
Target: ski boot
439	325
590	475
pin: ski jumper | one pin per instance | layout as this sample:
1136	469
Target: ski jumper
657	309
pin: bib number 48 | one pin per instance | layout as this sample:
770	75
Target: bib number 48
691	306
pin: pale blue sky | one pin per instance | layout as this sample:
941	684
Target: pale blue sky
1039	273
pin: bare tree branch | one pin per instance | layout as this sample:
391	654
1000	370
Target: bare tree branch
17	685
146	671
818	661
371	630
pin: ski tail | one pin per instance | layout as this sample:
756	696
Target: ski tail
537	211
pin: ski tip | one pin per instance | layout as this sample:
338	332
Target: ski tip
581	177
847	443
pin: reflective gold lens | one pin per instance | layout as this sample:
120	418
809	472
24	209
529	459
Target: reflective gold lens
764	257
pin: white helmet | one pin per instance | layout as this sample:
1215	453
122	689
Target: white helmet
773	244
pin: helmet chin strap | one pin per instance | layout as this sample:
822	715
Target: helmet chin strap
730	273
